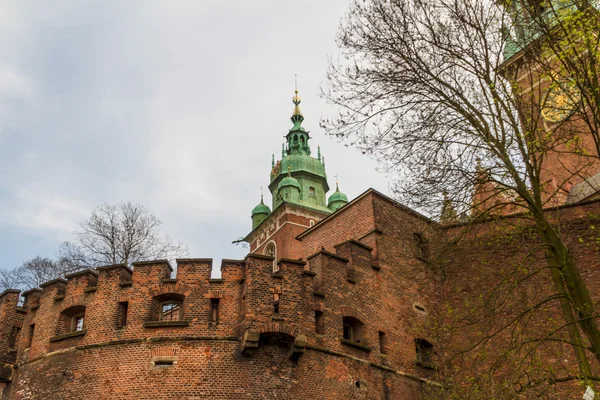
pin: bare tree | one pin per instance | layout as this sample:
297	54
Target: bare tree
34	272
120	233
425	87
8	280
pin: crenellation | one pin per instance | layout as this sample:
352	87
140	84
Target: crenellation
144	271
194	270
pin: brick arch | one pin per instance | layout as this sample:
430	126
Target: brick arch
278	327
348	311
74	301
170	288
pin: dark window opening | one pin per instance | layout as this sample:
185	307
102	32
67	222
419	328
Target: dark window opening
319	323
30	338
214	310
170	311
424	352
382	343
276	303
419	308
311	192
72	320
353	329
14	334
122	314
421	246
164	362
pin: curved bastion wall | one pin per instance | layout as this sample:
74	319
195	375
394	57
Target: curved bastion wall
251	334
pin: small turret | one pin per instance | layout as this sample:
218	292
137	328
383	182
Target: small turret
337	200
288	189
260	213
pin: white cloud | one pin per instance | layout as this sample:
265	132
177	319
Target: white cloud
175	106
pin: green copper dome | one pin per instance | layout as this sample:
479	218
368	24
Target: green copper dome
337	200
338	196
288	181
260	213
262	208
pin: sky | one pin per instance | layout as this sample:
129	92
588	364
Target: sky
176	105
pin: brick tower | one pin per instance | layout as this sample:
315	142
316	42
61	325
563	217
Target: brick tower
298	187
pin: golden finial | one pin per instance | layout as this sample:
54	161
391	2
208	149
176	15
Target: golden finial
296	99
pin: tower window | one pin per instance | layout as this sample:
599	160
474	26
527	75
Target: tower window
421	246
170	311
311	192
319	323
122	314
424	351
353	329
12	341
72	320
214	310
271	251
382	343
31	332
276	304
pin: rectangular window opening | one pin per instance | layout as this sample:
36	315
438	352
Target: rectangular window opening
348	332
30	338
12	341
214	310
319	323
421	246
158	363
382	343
122	316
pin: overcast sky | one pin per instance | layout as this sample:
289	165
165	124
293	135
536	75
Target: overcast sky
177	105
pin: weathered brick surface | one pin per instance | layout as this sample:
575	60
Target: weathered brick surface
361	264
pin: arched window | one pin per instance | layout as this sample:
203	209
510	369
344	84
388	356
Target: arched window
72	320
424	351
311	192
167	307
353	329
271	251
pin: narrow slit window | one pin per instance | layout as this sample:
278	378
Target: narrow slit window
214	310
382	342
276	303
14	334
122	316
319	323
31	332
421	246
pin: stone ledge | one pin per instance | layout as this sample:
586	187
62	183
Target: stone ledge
164	324
309	273
125	283
68	335
319	294
425	365
90	289
354	344
277	276
216	280
168	280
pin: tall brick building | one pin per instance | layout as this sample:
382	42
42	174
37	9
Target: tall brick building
336	300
